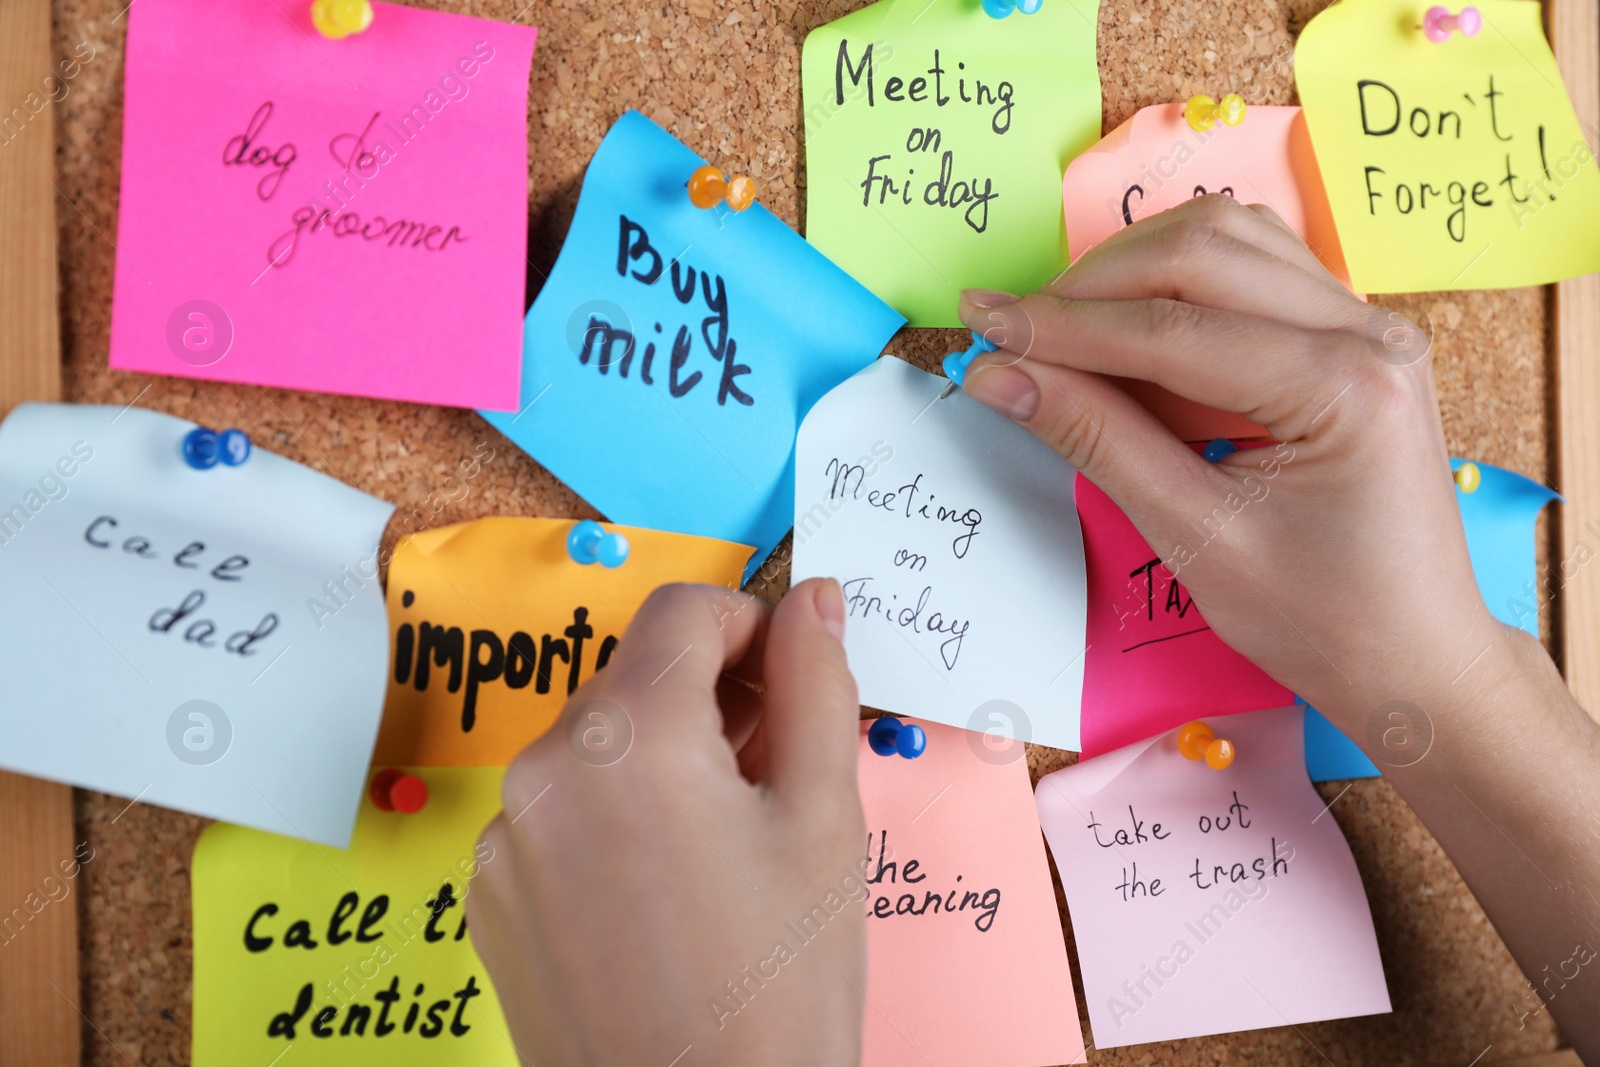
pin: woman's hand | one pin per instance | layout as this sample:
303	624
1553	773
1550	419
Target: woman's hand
668	871
1335	560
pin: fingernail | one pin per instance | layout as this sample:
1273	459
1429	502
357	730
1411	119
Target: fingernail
830	606
1002	387
989	298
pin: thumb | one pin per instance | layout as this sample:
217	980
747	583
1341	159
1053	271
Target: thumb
810	729
1102	432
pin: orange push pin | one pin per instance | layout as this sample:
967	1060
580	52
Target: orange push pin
341	18
1202	112
394	790
1197	741
708	187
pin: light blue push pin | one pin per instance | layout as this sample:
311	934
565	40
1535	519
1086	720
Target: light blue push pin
589	543
889	736
1218	450
201	448
956	363
999	9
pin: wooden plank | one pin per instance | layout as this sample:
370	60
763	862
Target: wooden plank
39	1019
1574	27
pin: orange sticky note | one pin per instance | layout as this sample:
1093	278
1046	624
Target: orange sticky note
492	624
1152	662
1154	162
966	962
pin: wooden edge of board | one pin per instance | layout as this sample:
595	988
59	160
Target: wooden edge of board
40	1019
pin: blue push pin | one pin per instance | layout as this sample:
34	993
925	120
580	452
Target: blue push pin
889	736
956	363
204	449
589	543
999	9
1218	450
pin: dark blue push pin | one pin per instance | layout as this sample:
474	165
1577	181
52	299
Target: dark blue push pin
204	449
1218	450
999	9
889	736
589	543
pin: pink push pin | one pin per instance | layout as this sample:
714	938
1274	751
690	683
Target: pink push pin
1438	24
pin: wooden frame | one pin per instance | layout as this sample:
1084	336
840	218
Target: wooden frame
40	1022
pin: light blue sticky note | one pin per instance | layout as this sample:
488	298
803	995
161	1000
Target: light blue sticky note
672	353
1499	520
213	641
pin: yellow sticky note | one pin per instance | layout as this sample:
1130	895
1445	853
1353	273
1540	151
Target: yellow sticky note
1450	165
935	141
349	956
492	624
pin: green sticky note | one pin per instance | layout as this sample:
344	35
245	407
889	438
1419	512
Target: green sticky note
936	138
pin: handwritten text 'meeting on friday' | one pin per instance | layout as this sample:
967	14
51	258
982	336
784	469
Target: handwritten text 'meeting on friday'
884	182
867	597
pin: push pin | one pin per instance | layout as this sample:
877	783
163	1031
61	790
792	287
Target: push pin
204	449
340	18
1218	450
1468	478
394	790
999	9
708	187
956	363
589	543
889	736
1197	741
1438	24
1202	112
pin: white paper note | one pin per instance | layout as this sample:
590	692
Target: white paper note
207	640
955	535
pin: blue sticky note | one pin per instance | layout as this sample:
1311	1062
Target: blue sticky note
1498	519
674	350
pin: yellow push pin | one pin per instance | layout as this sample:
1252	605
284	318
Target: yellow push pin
340	18
1202	112
1468	478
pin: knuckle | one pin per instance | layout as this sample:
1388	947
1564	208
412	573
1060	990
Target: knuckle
1192	238
1169	319
1078	438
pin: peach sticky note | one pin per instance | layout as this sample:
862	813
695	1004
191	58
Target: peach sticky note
492	624
348	216
1153	663
1155	161
966	962
1457	164
350	957
1208	901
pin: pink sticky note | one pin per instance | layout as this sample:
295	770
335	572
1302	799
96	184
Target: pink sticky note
343	215
1203	901
1152	662
1154	161
966	962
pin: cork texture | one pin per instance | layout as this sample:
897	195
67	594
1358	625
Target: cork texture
724	78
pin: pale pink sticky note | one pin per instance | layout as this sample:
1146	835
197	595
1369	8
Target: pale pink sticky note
343	215
1154	161
1152	662
966	962
1204	901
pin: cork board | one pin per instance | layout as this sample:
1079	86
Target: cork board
725	79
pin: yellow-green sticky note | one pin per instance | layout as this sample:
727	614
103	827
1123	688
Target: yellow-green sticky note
309	955
936	138
1449	165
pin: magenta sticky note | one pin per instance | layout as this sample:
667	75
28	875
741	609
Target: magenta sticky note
347	216
1204	901
1152	662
